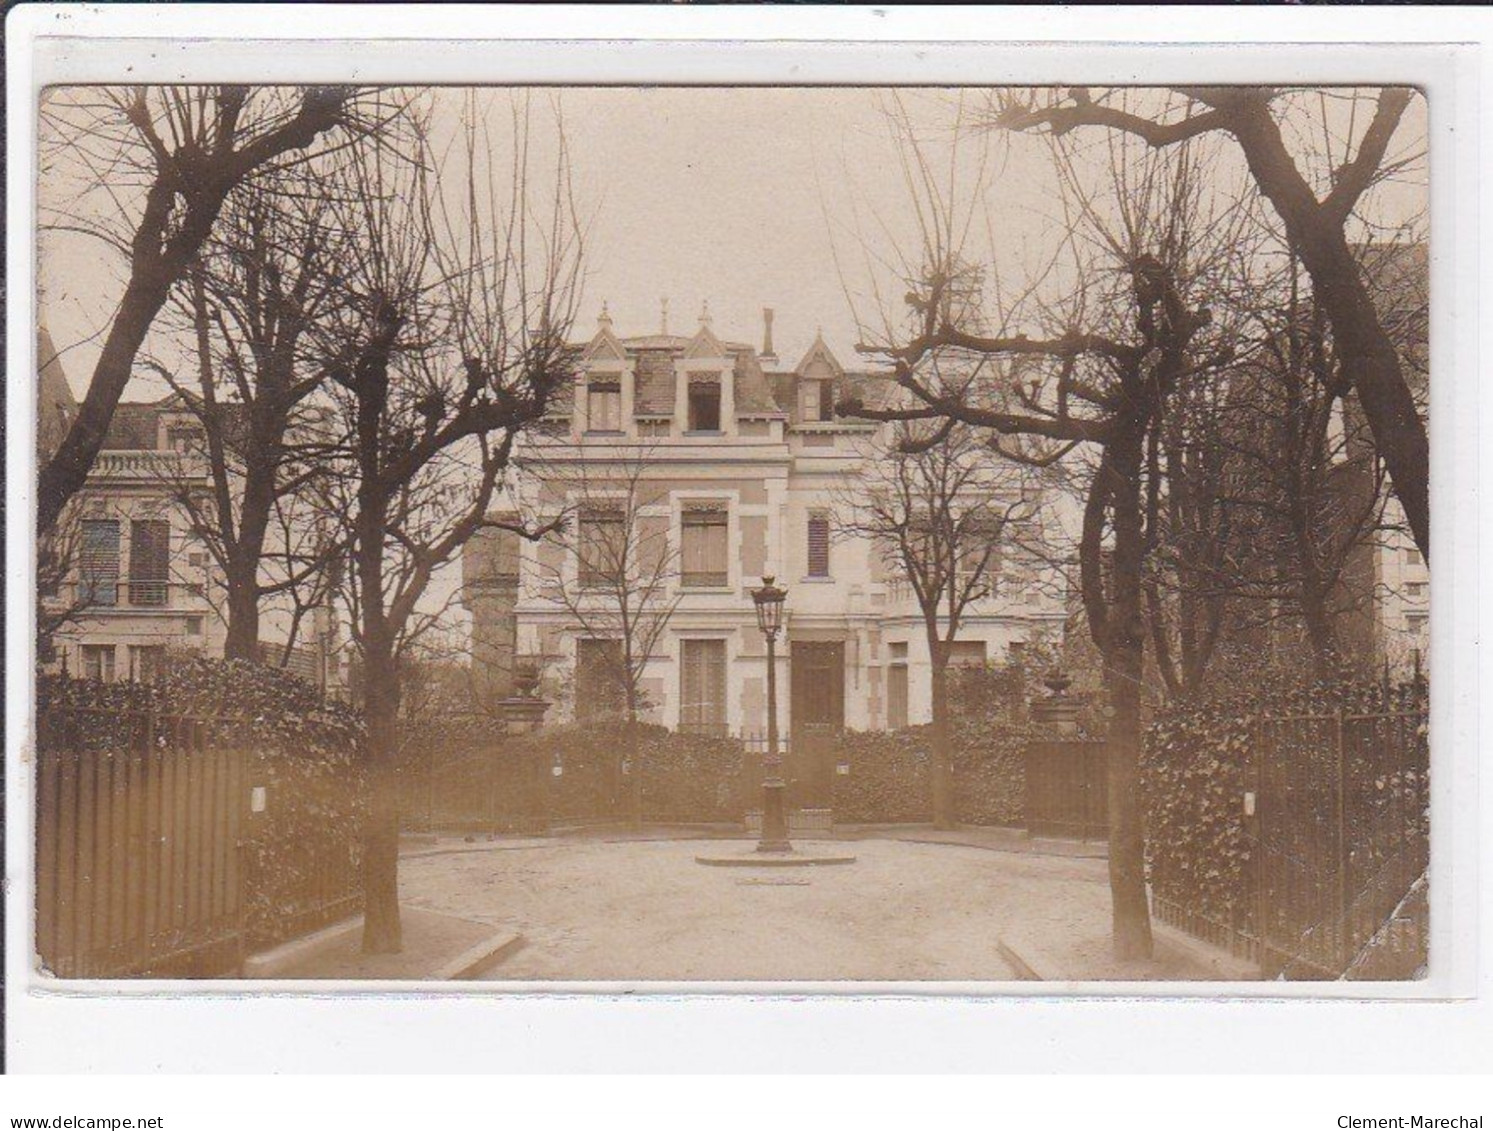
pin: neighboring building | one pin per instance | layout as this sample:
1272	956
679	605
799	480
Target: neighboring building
140	588
747	458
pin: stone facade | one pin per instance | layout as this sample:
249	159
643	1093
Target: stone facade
720	424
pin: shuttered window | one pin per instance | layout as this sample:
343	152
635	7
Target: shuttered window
600	546
896	696
702	694
150	553
703	549
826	400
98	564
819	545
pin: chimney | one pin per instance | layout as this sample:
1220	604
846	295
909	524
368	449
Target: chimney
767	350
663	316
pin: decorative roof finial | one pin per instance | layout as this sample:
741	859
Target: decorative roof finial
604	319
663	315
705	314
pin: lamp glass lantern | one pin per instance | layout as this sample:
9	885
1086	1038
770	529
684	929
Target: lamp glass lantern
769	601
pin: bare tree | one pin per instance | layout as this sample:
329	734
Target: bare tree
453	342
1316	218
616	581
1308	485
1131	331
941	509
157	163
253	304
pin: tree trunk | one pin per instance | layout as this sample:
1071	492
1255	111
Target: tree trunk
1123	649
1367	354
940	768
242	642
64	474
381	926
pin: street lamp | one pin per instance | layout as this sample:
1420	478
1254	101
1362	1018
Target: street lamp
769	601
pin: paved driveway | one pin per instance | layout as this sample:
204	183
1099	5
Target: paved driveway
645	911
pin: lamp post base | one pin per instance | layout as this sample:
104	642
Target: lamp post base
774	818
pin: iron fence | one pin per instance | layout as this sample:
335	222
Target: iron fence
1336	819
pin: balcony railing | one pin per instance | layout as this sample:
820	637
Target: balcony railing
704	579
148	465
135	594
149	594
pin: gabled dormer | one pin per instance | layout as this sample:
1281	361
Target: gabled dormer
604	385
818	378
705	393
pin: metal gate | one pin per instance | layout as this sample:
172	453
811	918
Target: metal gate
1067	788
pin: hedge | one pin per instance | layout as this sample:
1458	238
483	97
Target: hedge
1196	765
686	778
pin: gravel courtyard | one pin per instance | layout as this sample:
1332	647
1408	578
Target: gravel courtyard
592	910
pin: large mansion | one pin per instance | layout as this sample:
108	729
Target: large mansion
746	463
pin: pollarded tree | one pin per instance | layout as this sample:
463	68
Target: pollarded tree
1316	195
252	305
1132	327
453	341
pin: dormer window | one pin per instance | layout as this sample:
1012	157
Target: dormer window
705	406
184	438
816	401
604	405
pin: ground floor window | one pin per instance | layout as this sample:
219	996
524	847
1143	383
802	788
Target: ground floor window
98	662
147	661
967	654
598	680
702	693
896	696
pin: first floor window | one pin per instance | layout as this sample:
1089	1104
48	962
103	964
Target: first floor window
147	661
150	554
600	542
98	564
702	694
703	548
967	653
819	545
98	662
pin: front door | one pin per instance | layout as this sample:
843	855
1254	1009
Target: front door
817	715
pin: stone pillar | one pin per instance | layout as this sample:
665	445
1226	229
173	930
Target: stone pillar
1058	711
524	710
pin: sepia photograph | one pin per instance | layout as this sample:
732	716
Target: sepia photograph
732	535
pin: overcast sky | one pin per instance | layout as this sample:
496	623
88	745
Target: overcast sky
737	196
740	197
